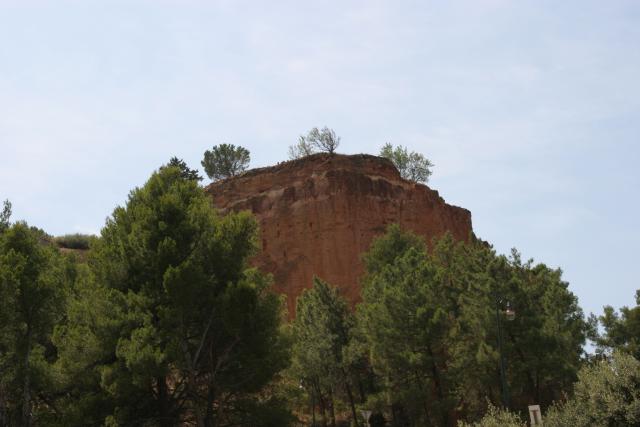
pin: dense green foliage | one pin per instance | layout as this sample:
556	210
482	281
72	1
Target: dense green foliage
32	278
423	347
322	331
411	165
189	333
621	330
607	394
185	171
496	417
163	323
225	160
430	322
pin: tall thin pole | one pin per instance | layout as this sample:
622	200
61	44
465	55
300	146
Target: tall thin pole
503	377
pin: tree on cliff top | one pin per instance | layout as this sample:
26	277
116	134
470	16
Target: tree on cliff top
315	140
411	165
225	160
302	149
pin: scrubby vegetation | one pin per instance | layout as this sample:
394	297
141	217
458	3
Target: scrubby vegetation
74	241
315	141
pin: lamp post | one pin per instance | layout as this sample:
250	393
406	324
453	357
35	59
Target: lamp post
510	314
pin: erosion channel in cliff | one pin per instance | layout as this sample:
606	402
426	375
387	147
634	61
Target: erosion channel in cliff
318	214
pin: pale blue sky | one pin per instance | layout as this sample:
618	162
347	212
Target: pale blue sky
529	109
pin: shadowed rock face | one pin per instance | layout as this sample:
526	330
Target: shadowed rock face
317	216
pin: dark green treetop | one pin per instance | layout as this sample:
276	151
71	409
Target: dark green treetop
429	320
177	328
32	285
322	332
621	329
5	215
185	171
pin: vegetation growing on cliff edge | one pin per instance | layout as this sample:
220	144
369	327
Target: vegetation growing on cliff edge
411	165
316	140
225	160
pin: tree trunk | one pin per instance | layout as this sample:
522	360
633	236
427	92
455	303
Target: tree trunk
211	395
425	407
26	391
313	408
163	403
323	407
3	409
332	412
438	385
350	396
361	389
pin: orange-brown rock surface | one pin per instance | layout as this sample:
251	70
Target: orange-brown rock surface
317	216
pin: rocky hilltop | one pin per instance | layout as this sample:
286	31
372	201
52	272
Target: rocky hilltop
318	214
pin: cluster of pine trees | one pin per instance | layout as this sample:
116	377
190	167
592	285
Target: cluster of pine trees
422	346
164	323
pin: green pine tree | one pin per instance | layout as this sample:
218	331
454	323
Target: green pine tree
322	332
176	327
32	280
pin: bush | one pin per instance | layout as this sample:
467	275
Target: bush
411	165
316	140
74	241
607	394
496	417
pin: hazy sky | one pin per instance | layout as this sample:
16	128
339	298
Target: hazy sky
530	110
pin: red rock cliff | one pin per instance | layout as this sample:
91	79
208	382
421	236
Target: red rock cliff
317	215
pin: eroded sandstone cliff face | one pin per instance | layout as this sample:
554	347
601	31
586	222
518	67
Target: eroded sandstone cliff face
317	216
